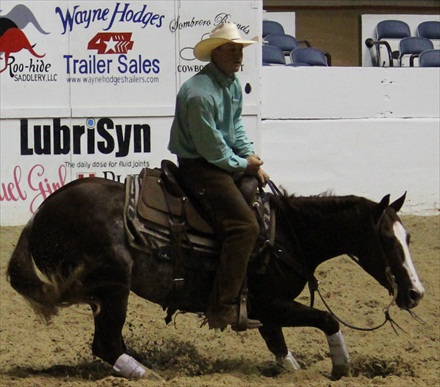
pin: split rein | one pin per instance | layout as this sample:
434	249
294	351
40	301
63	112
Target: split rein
313	282
386	310
392	282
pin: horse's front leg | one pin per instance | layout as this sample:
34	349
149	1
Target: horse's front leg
284	313
274	338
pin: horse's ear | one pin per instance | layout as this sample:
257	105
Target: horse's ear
380	208
397	205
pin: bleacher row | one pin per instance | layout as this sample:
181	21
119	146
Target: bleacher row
394	46
280	48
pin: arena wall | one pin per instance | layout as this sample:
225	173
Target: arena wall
363	131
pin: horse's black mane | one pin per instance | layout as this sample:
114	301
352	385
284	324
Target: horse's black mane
326	204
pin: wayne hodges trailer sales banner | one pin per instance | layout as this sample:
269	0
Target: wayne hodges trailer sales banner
88	87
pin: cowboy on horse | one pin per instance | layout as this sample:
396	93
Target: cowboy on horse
211	144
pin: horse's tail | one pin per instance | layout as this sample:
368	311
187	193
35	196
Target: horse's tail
44	293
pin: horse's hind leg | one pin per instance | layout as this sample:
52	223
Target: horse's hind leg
108	344
110	312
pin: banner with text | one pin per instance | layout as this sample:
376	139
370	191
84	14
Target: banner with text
88	87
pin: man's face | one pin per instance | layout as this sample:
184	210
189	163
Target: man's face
228	58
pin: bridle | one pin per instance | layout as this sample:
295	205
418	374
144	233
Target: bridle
314	283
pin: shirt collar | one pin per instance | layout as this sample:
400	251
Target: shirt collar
219	76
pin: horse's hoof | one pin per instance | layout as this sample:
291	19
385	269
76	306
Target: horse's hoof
151	375
289	362
339	371
131	369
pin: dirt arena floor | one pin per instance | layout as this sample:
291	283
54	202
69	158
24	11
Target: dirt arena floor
34	355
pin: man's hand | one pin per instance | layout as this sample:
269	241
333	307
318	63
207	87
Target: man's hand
263	177
253	165
253	169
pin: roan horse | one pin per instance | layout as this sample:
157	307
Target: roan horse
74	250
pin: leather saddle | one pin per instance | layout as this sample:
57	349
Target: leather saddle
165	198
162	214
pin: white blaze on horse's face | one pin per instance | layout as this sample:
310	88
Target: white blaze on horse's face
401	236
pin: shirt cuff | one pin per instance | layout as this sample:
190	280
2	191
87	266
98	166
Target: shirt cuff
242	163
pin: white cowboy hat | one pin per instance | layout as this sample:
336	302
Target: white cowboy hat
223	33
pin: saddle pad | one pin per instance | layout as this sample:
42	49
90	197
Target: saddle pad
148	235
158	206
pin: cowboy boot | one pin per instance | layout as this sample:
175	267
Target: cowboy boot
223	315
224	309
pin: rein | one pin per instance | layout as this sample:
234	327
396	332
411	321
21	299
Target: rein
313	282
392	281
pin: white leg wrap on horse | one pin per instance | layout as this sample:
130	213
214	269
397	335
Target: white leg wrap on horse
290	362
128	367
338	349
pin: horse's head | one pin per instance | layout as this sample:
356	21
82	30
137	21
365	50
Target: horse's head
390	262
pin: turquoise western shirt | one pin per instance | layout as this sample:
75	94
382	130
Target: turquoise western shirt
207	121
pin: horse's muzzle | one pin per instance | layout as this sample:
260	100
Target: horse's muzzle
409	299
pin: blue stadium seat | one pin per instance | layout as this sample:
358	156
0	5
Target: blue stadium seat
429	29
413	46
272	27
309	56
272	55
429	58
286	42
392	29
